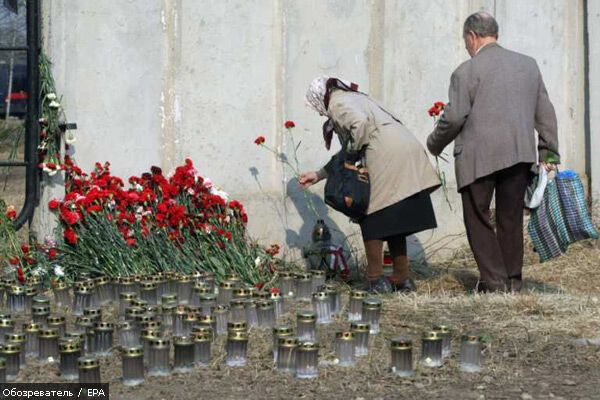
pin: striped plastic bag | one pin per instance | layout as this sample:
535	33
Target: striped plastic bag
562	218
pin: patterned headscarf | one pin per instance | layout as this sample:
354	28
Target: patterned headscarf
317	97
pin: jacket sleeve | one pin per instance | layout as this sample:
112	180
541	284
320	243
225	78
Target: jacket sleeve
546	125
354	118
455	114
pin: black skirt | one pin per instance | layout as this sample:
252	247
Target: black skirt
406	217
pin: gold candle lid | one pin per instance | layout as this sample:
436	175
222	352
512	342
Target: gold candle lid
185	279
306	316
202	290
207	297
92	311
285	274
202	336
139	303
238	336
77	336
236	326
401	343
17	290
303	276
31	327
242	292
308	346
132	351
360	327
372	303
233	277
84	320
56	320
250	303
60	285
182	341
169	308
331	286
69	346
220	308
40	310
5	315
147	285
191	318
152	309
7	322
150	334
104	326
8	280
471	337
101	280
88	362
83	290
11	348
264	304
159	343
202	284
34	280
321	296
181	309
133	311
126	280
432	336
153	325
445	329
128	296
31	291
40	300
15	337
260	295
143	318
202	328
344	335
280	330
228	285
358	294
287	341
207	319
168	298
237	303
317	273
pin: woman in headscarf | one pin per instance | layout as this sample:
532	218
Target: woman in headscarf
401	175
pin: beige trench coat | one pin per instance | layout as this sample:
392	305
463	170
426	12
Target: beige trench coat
398	164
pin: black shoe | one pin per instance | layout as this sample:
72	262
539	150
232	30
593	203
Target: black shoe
489	287
516	285
380	285
406	286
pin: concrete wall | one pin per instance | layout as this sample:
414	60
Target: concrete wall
593	13
154	81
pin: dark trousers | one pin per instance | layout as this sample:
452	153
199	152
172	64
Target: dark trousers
499	251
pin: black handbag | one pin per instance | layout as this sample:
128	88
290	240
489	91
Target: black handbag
348	188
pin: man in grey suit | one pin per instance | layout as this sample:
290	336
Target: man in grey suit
496	100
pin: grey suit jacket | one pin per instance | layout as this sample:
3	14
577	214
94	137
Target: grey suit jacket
496	100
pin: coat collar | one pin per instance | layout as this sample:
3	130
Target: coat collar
486	47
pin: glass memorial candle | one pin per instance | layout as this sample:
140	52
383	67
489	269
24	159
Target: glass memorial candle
322	307
277	300
128	336
40	314
12	354
402	360
355	304
19	339
431	350
306	326
30	293
168	315
184	289
94	313
251	314
303	286
265	312
470	353
132	365
125	300
221	314
7	325
225	292
282	330
286	354
89	369
206	302
31	331
103	338
183	354
58	322
146	336
307	360
335	296
361	338
148	292
70	352
318	279
158	357
104	290
236	348
62	298
344	349
237	310
241	293
444	332
371	312
287	284
202	353
83	299
16	299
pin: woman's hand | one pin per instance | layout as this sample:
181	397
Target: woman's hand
307	179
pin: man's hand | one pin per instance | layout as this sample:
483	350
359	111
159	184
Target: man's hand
548	166
307	179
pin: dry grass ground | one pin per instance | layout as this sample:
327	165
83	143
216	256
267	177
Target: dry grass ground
543	344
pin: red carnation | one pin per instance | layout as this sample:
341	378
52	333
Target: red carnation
11	213
50	165
25	248
259	140
14	260
53	204
20	275
70	236
52	254
289	124
436	109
